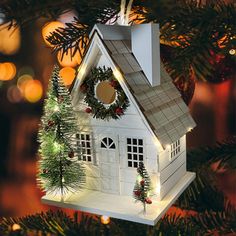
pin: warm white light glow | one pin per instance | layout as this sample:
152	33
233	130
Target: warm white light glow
117	74
189	129
105	220
158	188
232	51
15	227
57	146
168	146
56	108
139	178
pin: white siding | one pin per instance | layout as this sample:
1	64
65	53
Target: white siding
171	170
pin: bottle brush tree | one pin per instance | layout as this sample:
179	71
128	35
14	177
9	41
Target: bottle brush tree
60	167
142	186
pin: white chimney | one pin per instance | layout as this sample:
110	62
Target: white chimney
146	48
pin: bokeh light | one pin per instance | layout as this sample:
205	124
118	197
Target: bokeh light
14	94
22	82
67	74
26	70
7	71
67	60
10	39
33	91
48	28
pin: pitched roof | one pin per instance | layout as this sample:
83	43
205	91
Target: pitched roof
162	105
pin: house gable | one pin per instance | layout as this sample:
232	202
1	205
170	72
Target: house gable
98	55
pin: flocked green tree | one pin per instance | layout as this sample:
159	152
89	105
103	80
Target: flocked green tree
142	186
60	167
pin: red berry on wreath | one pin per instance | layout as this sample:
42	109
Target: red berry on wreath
119	111
88	110
148	200
137	193
71	154
142	182
114	83
83	88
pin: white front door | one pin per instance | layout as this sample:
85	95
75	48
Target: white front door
109	164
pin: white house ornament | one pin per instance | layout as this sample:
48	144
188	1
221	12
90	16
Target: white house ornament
151	128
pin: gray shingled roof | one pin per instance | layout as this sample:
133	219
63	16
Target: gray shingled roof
162	105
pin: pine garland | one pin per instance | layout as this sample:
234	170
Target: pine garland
96	107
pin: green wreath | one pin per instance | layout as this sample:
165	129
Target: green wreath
117	108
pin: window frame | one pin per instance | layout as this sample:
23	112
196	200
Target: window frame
111	146
91	148
175	150
131	153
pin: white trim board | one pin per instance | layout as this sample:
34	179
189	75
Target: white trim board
119	206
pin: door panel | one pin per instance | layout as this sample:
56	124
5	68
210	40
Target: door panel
109	164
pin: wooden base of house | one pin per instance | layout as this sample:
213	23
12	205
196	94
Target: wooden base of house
118	206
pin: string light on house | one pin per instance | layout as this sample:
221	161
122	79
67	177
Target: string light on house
232	51
16	227
105	220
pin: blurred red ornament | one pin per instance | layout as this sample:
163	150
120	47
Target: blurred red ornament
88	110
119	111
148	201
142	182
114	83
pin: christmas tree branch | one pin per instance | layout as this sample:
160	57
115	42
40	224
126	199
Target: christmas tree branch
202	194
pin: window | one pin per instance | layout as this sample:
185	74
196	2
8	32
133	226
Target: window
175	149
84	141
134	151
108	143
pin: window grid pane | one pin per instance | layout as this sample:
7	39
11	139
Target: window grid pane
175	149
84	141
134	152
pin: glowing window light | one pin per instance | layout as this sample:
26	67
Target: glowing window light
33	91
67	74
105	220
48	28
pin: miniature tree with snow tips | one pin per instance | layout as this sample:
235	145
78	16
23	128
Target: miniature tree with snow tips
60	168
142	186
